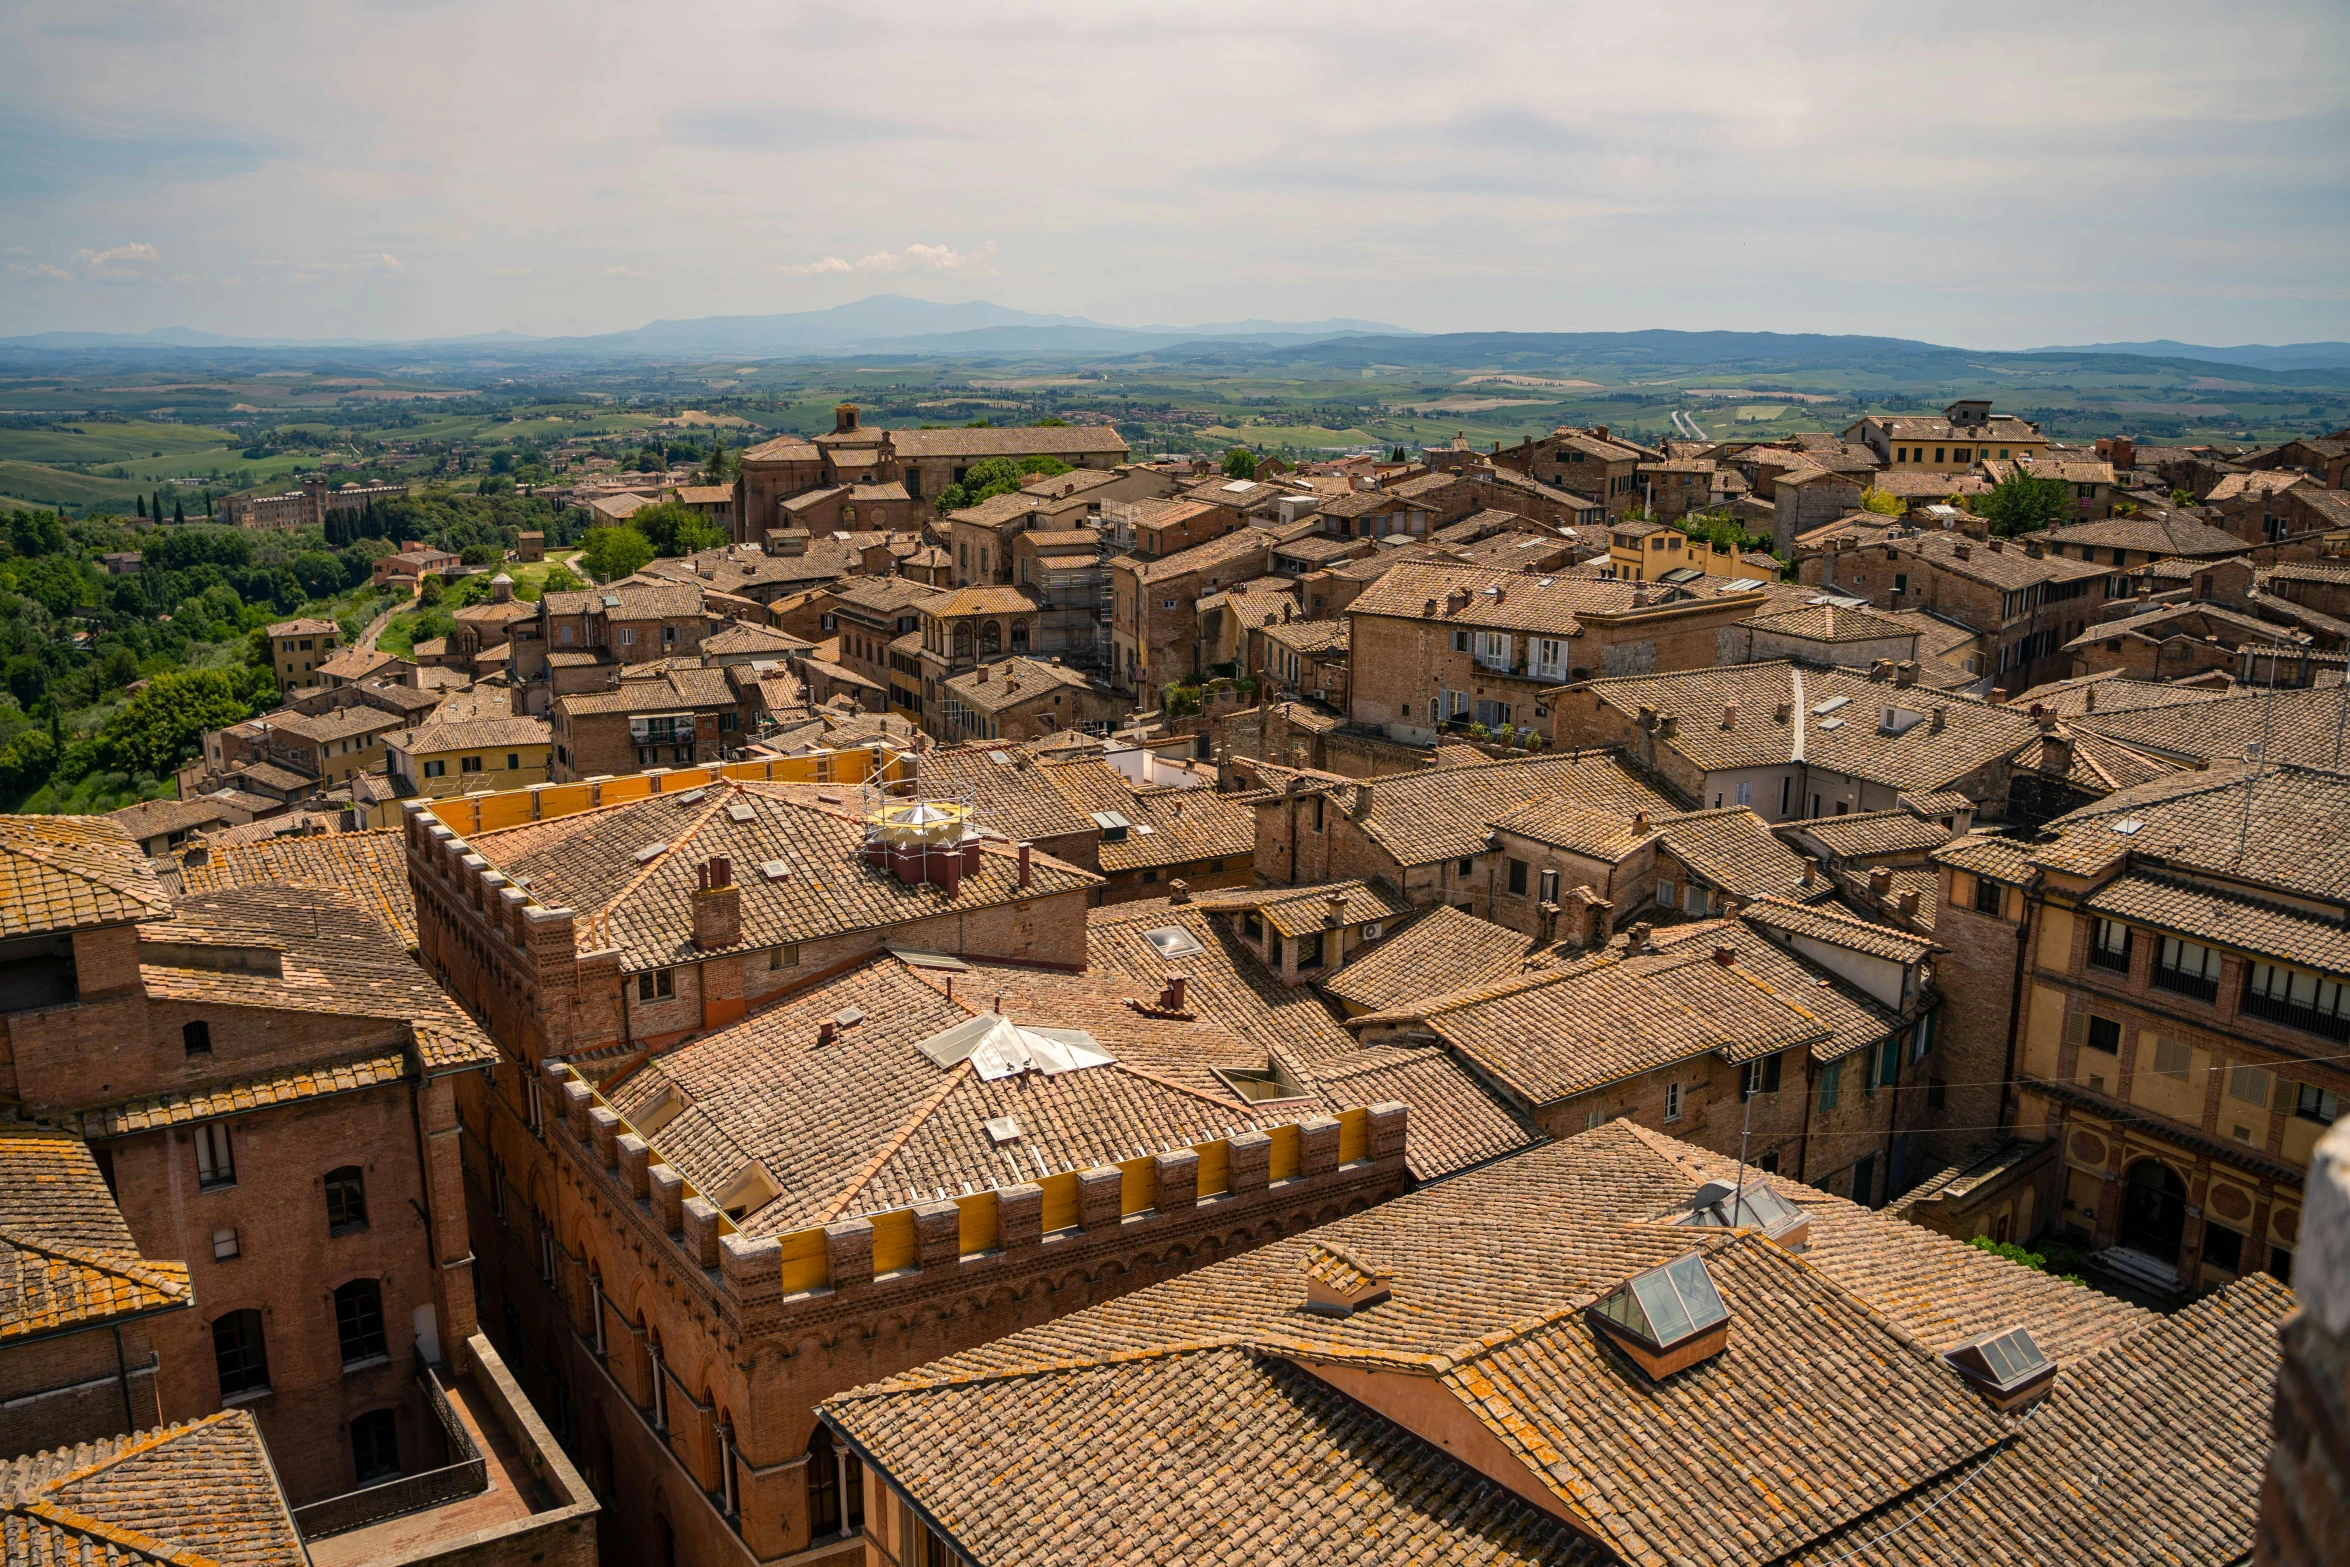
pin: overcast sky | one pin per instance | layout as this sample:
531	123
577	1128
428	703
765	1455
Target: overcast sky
1991	175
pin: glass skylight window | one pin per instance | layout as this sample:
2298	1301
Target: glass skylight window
1173	941
1666	1305
2005	1365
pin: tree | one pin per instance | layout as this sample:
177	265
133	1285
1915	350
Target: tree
560	580
429	591
140	501
179	513
992	477
1049	422
1883	503
718	467
2021	503
165	721
613	553
1240	463
676	529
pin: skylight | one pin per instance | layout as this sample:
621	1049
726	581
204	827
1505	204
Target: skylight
1173	941
998	1048
1718	1205
2128	827
1741	585
1822	709
741	812
775	870
692	797
1668	1305
651	852
1003	1129
2005	1365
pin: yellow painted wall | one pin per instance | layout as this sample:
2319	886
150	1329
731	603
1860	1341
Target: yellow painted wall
2056	939
2167	1096
543	802
2043	1030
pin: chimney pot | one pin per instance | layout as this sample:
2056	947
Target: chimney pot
1908	903
827	1031
1725	954
1171	999
1729	715
1810	869
1880	881
1936	719
1025	850
1636	939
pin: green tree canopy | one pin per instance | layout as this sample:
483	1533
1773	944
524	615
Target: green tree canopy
676	529
164	722
612	553
559	579
1883	503
995	476
2021	503
1240	463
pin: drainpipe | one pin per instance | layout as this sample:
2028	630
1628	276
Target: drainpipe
122	1375
660	1393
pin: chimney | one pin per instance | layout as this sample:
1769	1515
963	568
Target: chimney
1636	939
1171	998
1725	954
828	1031
2044	718
1334	909
1881	882
1936	719
1178	892
1908	902
1879	668
718	905
2056	753
1781	710
2033	549
1811	868
1025	849
2089	700
1729	715
1964	551
1996	546
1905	673
1666	723
1363	798
198	850
981	677
1599	430
1639	821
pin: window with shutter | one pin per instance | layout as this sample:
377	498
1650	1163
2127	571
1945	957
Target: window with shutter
2171	1058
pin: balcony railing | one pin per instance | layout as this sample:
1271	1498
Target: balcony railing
2186	984
2331	1025
467	1475
2106	957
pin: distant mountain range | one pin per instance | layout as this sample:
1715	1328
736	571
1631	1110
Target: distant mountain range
2260	356
881	323
893	325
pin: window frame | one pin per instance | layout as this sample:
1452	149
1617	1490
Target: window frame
345	1188
251	1350
359	1322
216	1156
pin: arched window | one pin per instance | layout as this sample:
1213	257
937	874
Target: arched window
359	1319
375	1446
1019	636
238	1352
197	1036
963	640
346	1200
836	1487
991	639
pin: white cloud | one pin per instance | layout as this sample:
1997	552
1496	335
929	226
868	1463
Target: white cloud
944	260
120	264
40	271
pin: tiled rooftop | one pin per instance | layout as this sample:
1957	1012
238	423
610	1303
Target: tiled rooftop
371	866
588	863
60	873
1774	1446
1922	756
66	1257
200	1493
1456	1121
1440	950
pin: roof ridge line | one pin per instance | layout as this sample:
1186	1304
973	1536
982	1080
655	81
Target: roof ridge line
603	924
140	1271
888	1150
41	855
115	1535
1036	1368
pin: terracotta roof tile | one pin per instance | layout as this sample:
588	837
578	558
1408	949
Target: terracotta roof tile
191	1495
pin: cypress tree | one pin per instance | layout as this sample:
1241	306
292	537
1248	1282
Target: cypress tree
179	512
140	501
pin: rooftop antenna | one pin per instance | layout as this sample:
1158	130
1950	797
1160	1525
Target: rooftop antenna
1745	1094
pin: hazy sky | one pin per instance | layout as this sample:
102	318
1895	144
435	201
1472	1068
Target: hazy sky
1990	175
